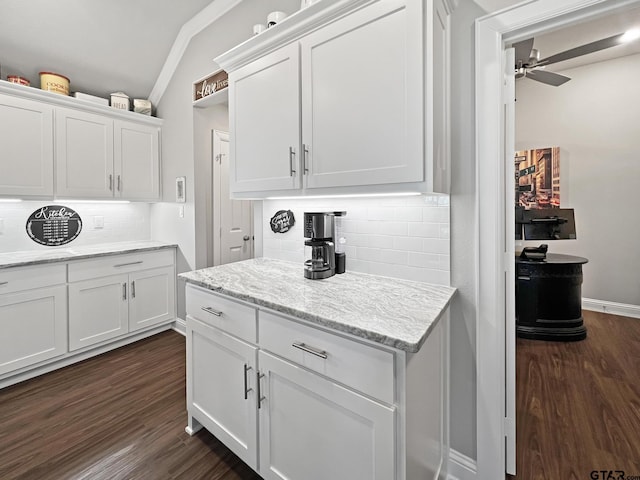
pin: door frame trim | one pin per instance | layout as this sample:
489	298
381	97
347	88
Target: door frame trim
491	31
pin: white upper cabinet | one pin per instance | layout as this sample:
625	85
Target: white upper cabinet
84	154
265	121
363	85
57	146
361	100
26	136
136	161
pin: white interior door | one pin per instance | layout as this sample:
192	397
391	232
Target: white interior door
233	221
509	93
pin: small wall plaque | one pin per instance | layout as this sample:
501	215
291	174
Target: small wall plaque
54	225
282	221
208	86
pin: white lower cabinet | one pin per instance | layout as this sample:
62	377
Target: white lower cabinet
313	429
98	310
221	390
295	402
33	325
104	304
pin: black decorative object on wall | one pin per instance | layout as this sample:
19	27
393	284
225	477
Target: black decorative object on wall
282	221
54	225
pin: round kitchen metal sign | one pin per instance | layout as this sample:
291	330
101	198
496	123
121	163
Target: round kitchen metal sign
54	225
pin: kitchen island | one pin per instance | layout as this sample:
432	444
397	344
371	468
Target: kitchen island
340	378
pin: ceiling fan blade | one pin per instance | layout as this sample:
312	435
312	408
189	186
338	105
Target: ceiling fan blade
548	78
523	50
582	50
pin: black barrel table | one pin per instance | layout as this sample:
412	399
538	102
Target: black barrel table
549	298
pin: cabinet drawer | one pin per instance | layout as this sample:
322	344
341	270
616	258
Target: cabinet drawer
227	315
116	264
359	366
27	278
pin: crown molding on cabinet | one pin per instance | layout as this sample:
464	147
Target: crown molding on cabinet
202	20
290	29
72	102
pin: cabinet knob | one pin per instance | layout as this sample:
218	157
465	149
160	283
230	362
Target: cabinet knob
246	238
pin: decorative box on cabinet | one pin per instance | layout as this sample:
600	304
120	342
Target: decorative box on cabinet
26	136
33	315
345	124
365	411
112	296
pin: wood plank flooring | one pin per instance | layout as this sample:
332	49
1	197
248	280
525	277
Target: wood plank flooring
122	415
114	417
578	404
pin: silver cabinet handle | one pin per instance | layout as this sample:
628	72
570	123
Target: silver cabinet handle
127	264
305	151
124	291
119	184
110	182
311	350
246	390
3	283
133	289
210	310
292	154
260	397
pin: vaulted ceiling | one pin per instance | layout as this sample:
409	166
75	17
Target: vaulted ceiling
103	46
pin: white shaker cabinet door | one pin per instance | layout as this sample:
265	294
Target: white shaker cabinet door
98	310
26	137
136	161
221	387
152	297
314	429
362	98
264	119
33	325
84	155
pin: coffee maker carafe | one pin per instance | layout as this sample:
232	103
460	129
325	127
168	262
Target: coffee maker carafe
320	252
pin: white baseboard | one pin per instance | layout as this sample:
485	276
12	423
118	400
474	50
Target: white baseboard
613	308
461	467
180	326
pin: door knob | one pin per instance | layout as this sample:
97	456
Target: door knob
246	238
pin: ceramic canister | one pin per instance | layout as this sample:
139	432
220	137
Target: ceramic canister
54	82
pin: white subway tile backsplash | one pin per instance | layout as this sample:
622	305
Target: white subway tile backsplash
424	260
435	245
424	230
381	241
122	222
400	237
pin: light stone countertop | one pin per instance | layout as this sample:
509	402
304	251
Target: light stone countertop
393	312
66	253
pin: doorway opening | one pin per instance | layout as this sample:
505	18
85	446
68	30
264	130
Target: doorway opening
495	226
232	238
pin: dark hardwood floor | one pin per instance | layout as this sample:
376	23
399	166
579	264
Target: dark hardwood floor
578	404
121	416
114	417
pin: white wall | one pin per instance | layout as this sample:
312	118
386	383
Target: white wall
595	121
122	222
400	237
179	156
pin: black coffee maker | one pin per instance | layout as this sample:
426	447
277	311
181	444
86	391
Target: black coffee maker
320	248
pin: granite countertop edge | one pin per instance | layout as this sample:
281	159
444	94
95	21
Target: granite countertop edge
410	346
38	257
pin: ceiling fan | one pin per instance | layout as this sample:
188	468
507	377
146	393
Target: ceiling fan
529	63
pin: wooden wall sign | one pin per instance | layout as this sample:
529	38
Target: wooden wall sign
54	225
282	221
208	86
